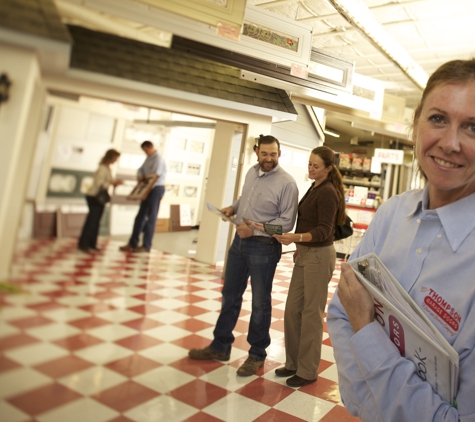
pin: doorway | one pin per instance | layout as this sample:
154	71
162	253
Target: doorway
81	129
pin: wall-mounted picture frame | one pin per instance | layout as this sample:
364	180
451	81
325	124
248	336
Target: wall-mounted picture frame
64	183
197	147
175	167
193	169
143	188
172	189
190	191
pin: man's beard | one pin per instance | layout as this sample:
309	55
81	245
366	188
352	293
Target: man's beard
264	166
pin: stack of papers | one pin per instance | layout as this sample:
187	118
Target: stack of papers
417	339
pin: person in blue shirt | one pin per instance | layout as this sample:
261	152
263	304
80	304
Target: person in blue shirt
146	218
426	238
269	195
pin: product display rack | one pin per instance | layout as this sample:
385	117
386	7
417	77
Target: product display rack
363	178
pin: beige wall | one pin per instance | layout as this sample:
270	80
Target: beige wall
20	119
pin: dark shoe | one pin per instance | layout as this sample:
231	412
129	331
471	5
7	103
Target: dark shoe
284	372
140	249
83	249
207	353
249	367
297	381
126	248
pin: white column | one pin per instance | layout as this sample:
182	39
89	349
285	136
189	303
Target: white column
20	119
213	233
231	157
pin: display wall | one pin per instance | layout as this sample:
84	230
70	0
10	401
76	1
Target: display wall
80	132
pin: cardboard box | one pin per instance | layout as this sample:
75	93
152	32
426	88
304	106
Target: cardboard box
163	225
345	161
367	164
357	163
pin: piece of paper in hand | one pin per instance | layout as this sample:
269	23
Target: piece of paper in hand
217	211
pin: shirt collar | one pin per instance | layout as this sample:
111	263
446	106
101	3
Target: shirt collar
456	218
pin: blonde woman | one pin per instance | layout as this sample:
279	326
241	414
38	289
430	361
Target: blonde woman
102	179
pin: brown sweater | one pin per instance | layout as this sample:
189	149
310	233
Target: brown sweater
317	214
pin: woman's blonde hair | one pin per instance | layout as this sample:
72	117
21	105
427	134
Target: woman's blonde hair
109	156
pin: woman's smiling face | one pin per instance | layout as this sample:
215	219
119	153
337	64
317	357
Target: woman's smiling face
444	137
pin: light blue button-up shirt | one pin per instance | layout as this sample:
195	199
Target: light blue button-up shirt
432	254
268	198
154	164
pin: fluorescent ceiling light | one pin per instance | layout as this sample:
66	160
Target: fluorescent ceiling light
357	14
331	132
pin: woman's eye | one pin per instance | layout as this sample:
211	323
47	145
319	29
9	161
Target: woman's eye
436	118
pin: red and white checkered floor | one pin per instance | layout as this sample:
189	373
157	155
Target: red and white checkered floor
105	337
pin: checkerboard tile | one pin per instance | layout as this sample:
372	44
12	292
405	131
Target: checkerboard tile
105	337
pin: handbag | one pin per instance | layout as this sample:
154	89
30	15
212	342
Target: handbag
344	230
102	196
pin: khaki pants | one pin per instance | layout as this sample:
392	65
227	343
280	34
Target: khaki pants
304	309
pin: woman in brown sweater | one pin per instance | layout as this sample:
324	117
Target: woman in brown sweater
320	209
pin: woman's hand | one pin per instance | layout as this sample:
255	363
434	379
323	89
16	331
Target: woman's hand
286	238
355	299
295	256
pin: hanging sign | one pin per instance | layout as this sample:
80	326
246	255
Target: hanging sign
389	156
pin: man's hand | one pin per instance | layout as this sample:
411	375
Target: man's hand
355	299
228	211
243	231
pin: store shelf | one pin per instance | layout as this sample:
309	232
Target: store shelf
358	183
353	179
363	207
343	170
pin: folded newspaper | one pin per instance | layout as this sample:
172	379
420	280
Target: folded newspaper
409	328
270	229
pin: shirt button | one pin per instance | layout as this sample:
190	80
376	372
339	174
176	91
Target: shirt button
418	221
419	251
439	236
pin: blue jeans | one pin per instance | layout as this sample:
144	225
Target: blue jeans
90	230
256	257
146	218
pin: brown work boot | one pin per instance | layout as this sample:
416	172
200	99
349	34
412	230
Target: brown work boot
249	367
140	249
126	248
207	353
